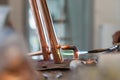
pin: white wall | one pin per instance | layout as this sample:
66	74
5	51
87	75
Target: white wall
105	12
106	32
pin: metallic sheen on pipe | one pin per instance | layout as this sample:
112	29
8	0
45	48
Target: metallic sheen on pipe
38	20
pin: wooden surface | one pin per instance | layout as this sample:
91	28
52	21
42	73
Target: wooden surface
108	68
52	70
49	65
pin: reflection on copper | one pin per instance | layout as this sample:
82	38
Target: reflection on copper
43	21
35	53
74	48
40	25
51	34
45	27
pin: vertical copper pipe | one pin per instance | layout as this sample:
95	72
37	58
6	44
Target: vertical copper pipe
45	50
52	37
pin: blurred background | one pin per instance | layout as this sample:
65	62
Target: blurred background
88	24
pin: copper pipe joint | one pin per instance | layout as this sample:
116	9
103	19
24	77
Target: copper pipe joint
74	48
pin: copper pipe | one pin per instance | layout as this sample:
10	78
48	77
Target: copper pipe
74	48
38	20
35	53
51	34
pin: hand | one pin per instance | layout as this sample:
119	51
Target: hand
116	37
